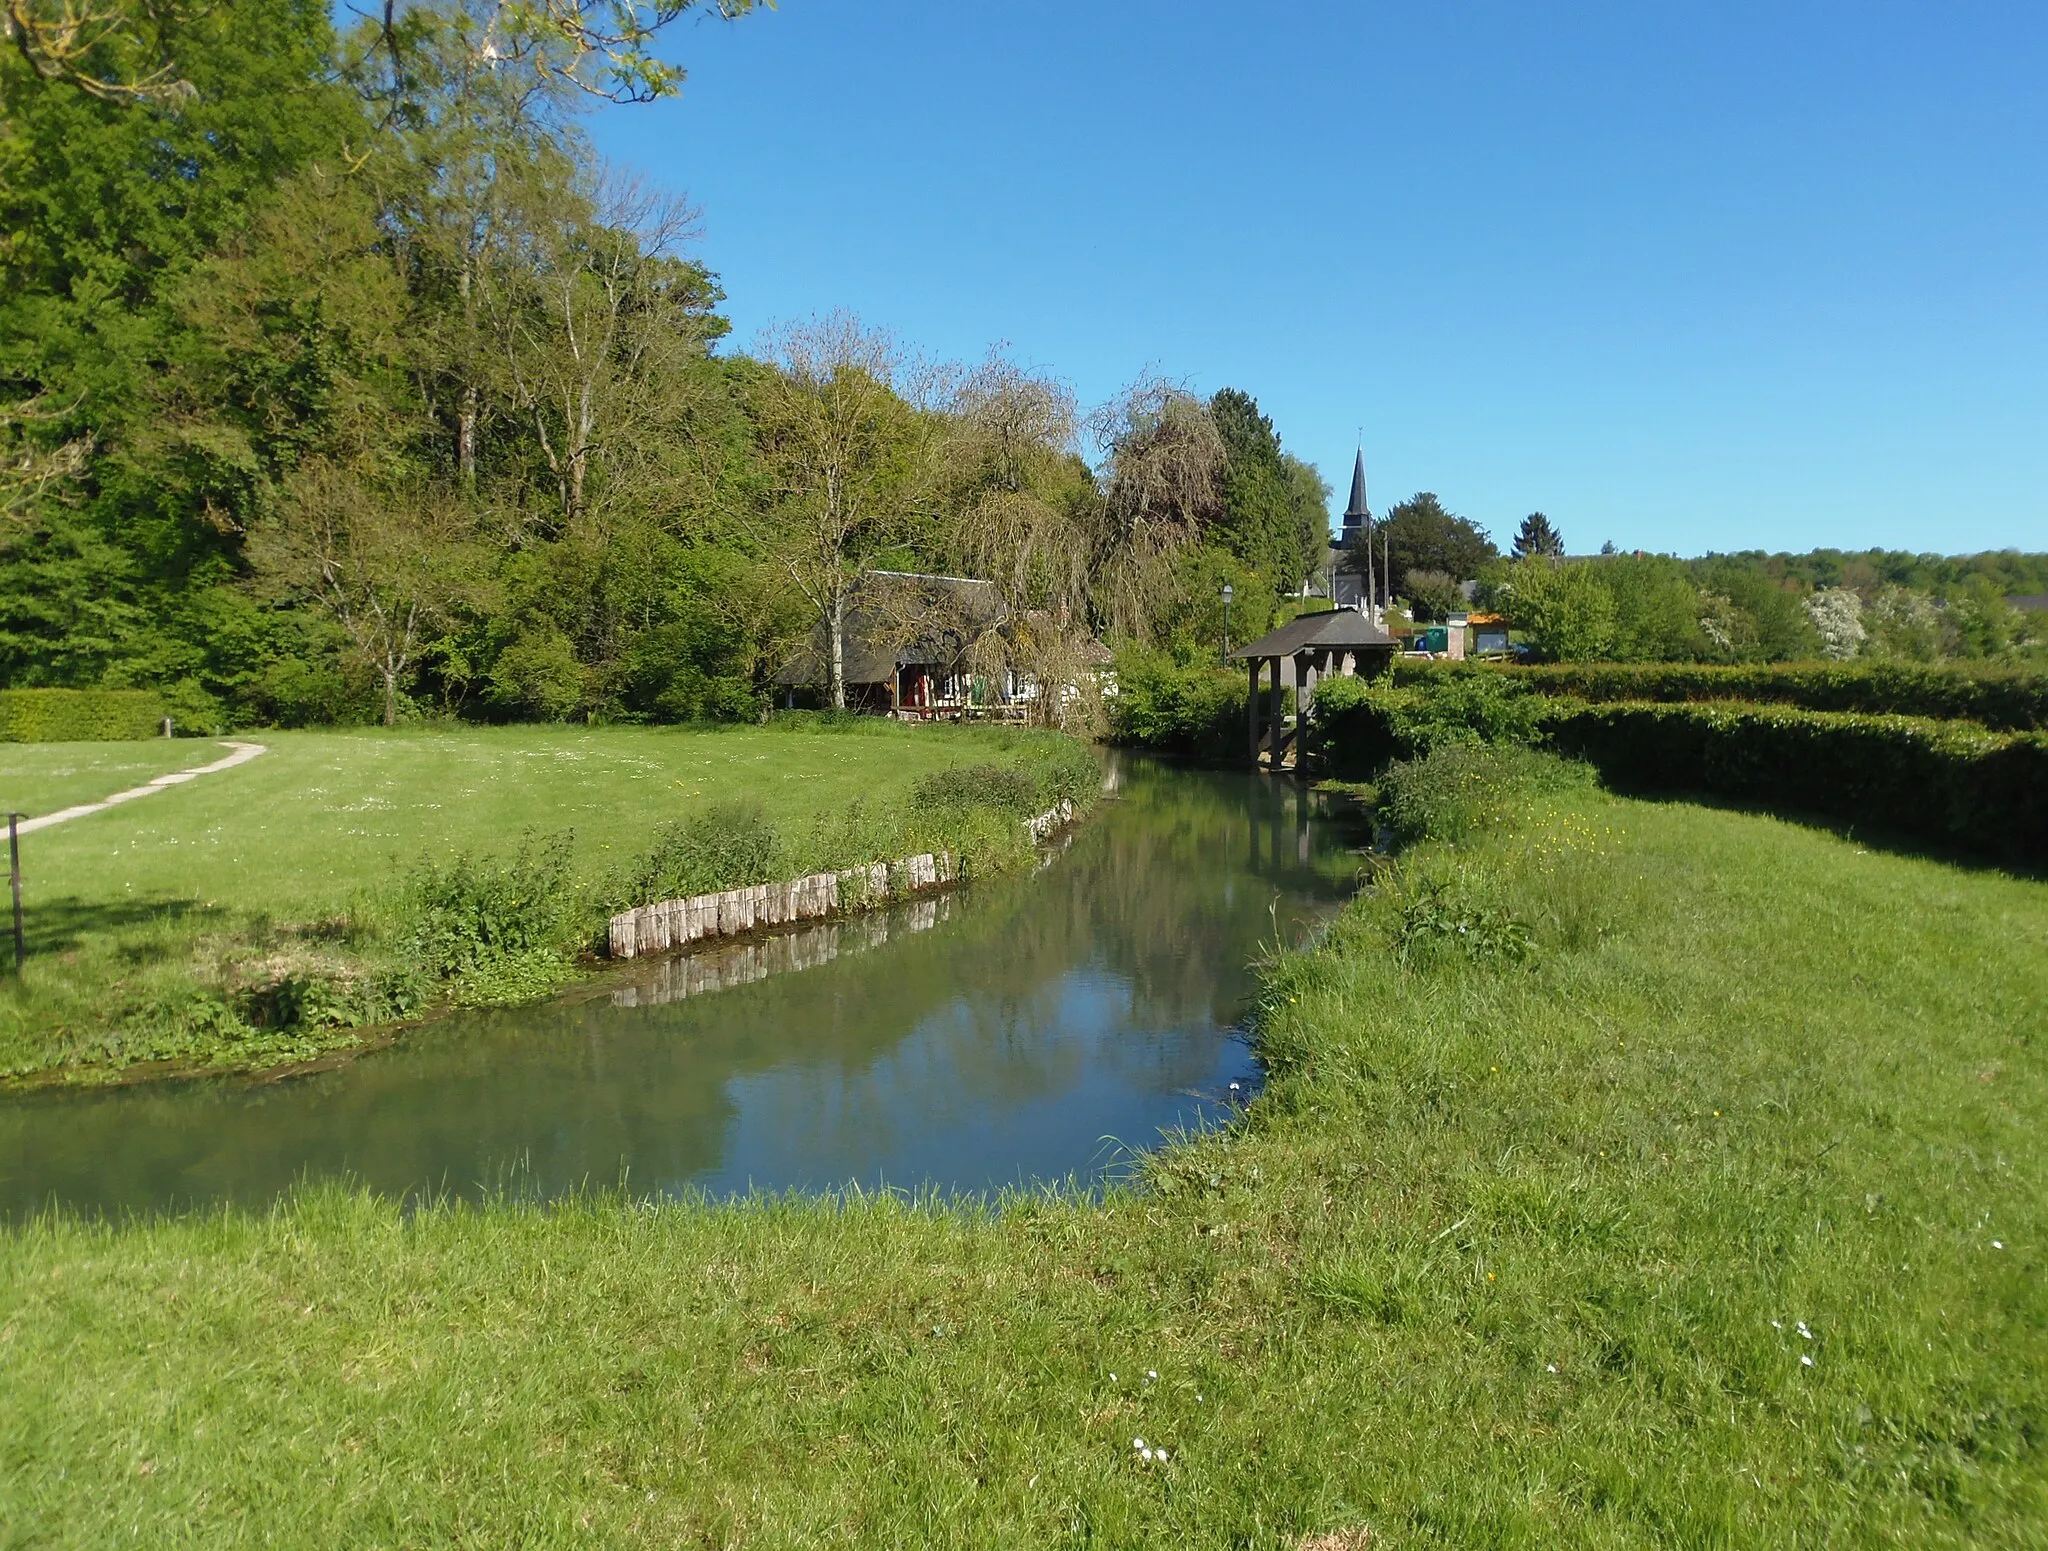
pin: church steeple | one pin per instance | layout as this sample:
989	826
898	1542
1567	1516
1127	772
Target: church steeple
1357	514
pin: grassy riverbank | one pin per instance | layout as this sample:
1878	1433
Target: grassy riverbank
1631	1174
263	913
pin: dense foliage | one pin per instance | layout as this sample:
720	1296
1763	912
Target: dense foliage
344	381
1189	710
1949	781
2004	698
78	715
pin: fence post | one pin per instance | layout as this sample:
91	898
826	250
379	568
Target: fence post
14	877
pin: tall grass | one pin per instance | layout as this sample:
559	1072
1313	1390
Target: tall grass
1718	1219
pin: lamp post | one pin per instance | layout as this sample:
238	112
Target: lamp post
1228	594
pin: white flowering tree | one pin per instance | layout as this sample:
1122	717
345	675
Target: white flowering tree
1837	613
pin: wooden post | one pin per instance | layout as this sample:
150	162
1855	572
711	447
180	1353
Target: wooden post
1251	707
14	878
1274	744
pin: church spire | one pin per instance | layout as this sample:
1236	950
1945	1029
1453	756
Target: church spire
1357	513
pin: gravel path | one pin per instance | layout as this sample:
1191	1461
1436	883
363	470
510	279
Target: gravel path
244	752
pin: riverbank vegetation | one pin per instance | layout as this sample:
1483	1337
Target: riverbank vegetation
1630	1173
344	880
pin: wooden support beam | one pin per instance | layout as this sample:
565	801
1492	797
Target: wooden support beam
1251	709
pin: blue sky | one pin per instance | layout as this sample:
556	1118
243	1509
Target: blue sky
1684	275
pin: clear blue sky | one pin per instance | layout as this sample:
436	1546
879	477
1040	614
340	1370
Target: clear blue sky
1686	274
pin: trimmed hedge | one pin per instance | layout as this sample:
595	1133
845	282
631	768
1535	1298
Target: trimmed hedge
2008	699
1945	781
79	715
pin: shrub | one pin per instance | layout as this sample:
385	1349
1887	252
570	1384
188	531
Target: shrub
725	846
79	715
1361	724
1458	789
488	919
981	786
2006	699
1192	712
1947	781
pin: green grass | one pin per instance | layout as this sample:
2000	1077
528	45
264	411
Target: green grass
147	922
43	777
1509	1254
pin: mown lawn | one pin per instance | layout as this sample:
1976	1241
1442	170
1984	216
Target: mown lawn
43	777
296	858
1718	1221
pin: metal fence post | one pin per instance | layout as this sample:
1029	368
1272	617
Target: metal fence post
14	877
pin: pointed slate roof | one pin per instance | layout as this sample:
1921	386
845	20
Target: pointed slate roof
1357	511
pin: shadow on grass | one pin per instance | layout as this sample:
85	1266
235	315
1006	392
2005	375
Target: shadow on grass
62	925
1871	836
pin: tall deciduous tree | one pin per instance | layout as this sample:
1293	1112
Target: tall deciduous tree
1160	480
852	457
387	560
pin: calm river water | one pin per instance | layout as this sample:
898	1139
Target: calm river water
1027	1030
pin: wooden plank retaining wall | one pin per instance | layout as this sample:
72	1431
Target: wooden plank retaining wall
676	923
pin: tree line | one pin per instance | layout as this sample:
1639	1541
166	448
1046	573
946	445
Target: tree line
1740	607
340	379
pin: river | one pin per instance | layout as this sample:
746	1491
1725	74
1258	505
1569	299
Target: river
1023	1031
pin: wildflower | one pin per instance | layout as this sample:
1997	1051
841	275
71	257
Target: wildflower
1805	1361
1998	1244
1800	1326
1151	1374
1138	1443
1160	1455
1774	1325
1144	1454
1112	1377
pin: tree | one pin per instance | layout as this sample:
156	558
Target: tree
133	52
1657	609
1271	516
1159	487
1565	611
1431	595
1537	537
852	455
385	561
1421	535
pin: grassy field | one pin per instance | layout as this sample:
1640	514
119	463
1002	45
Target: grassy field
148	921
1630	1174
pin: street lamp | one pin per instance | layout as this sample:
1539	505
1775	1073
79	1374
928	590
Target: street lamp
1228	594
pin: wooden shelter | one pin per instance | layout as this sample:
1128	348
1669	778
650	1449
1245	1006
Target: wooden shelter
1340	641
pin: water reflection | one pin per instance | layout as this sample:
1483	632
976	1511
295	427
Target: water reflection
992	1037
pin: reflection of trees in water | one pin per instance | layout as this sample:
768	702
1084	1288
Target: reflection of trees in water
1078	979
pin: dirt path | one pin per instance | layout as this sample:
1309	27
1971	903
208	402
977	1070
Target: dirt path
244	752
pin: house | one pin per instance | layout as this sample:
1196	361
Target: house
921	647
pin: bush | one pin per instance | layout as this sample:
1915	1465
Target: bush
2006	699
981	786
79	715
490	920
1945	781
729	845
1459	789
1361	724
1194	713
